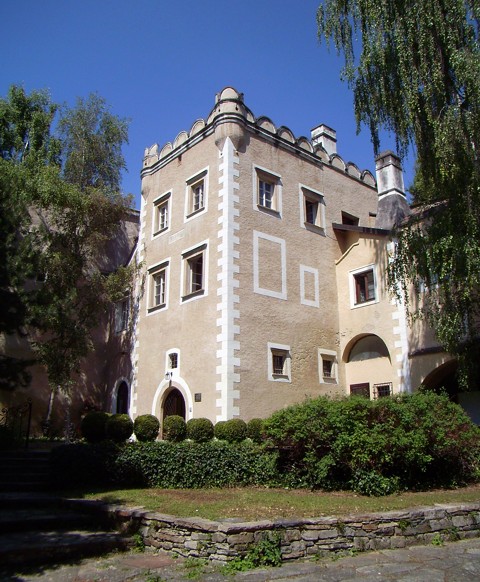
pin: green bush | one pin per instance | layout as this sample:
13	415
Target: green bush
255	430
119	427
174	428
200	430
183	465
235	430
376	447
219	430
146	427
93	425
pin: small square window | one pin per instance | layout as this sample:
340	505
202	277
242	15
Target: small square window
364	287
158	287
161	214
268	191
121	315
382	390
279	363
327	365
194	273
360	389
312	209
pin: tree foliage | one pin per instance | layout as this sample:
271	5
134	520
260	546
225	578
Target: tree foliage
56	212
418	75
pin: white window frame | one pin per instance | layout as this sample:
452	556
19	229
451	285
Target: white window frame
331	356
153	272
274	349
353	288
309	195
174	371
199	179
265	176
162	202
188	292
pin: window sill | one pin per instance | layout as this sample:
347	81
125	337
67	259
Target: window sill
365	303
270	211
280	378
195	212
156	308
156	233
198	293
314	228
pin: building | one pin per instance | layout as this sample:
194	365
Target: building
264	260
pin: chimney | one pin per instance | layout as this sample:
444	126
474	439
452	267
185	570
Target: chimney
392	202
325	136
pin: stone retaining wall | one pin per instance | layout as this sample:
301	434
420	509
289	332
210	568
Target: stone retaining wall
300	538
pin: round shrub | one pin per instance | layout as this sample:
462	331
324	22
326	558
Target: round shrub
235	430
255	429
174	428
119	428
146	427
219	430
200	430
93	426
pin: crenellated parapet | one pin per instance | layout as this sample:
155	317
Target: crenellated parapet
231	118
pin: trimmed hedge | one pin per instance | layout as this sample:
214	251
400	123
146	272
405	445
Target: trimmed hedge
146	427
255	430
174	428
200	430
163	464
119	428
92	426
232	431
415	441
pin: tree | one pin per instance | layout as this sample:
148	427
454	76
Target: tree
58	209
418	75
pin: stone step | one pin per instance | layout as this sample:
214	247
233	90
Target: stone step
40	547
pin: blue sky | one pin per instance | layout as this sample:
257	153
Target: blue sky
160	64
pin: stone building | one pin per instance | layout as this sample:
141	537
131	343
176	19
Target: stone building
264	260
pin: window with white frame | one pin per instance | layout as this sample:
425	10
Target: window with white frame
279	363
196	193
312	209
268	190
161	214
327	366
363	286
158	287
121	314
194	272
382	390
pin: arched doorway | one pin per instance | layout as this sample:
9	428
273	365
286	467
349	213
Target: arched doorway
368	367
174	403
122	399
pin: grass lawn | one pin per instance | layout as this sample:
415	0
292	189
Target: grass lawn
256	503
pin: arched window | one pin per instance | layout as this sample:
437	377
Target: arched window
367	348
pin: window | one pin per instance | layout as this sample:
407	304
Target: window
158	287
382	390
121	315
360	389
173	360
327	366
194	272
267	190
279	363
196	193
363	286
161	214
312	209
349	219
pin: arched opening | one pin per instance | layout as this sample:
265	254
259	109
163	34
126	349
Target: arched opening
368	367
444	379
122	398
174	403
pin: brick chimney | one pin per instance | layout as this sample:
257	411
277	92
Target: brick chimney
326	136
392	202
